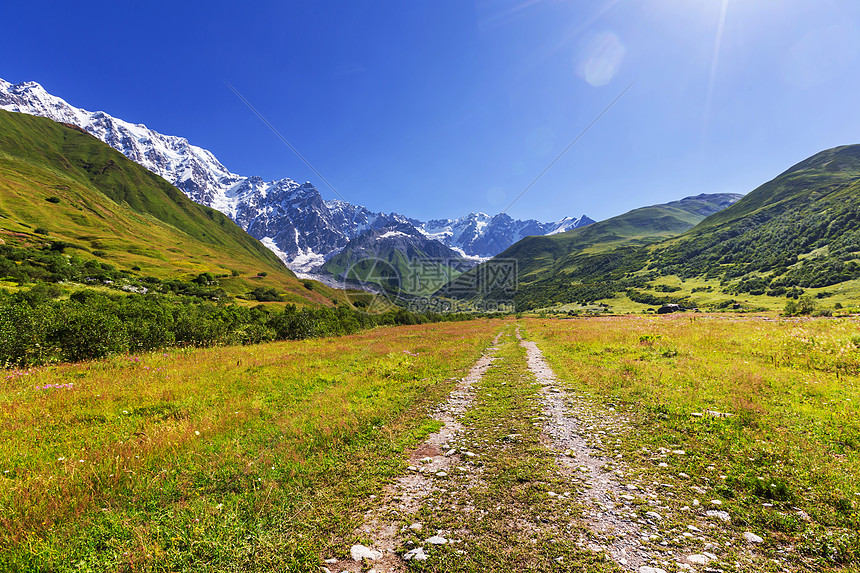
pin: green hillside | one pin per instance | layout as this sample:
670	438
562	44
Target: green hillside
543	260
802	229
398	260
62	189
541	256
796	235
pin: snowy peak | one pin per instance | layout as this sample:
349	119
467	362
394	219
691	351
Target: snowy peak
290	218
481	235
192	169
568	223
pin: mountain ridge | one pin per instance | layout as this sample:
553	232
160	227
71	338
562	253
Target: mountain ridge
304	233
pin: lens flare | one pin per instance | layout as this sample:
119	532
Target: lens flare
601	58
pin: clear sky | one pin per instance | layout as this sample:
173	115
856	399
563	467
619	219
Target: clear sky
434	108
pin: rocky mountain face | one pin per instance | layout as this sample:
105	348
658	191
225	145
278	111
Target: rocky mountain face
290	218
484	236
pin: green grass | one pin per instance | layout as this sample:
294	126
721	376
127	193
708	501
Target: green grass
242	458
793	437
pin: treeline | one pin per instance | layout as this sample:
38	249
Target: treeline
49	263
38	328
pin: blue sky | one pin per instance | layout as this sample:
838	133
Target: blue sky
434	108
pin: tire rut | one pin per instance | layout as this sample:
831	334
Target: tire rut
406	494
611	521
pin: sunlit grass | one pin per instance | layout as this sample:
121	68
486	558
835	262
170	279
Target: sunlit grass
785	461
243	457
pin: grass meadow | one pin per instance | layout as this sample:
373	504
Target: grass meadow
265	458
237	458
784	463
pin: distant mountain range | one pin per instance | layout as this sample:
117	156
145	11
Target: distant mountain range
290	218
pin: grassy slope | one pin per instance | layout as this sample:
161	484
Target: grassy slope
542	256
831	167
800	229
244	458
109	203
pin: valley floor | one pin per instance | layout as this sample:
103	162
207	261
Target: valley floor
670	443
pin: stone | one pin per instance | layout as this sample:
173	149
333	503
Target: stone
721	515
441	474
416	526
470	454
330	561
752	537
360	552
716	502
694	528
698	559
647	569
417	554
653	515
436	540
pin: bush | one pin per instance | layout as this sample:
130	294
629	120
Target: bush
24	335
86	332
36	328
264	295
804	306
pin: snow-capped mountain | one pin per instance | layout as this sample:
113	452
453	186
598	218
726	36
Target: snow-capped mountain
484	236
290	218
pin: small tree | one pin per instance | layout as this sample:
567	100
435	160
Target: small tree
805	305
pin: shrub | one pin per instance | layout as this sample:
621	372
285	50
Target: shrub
23	334
86	331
